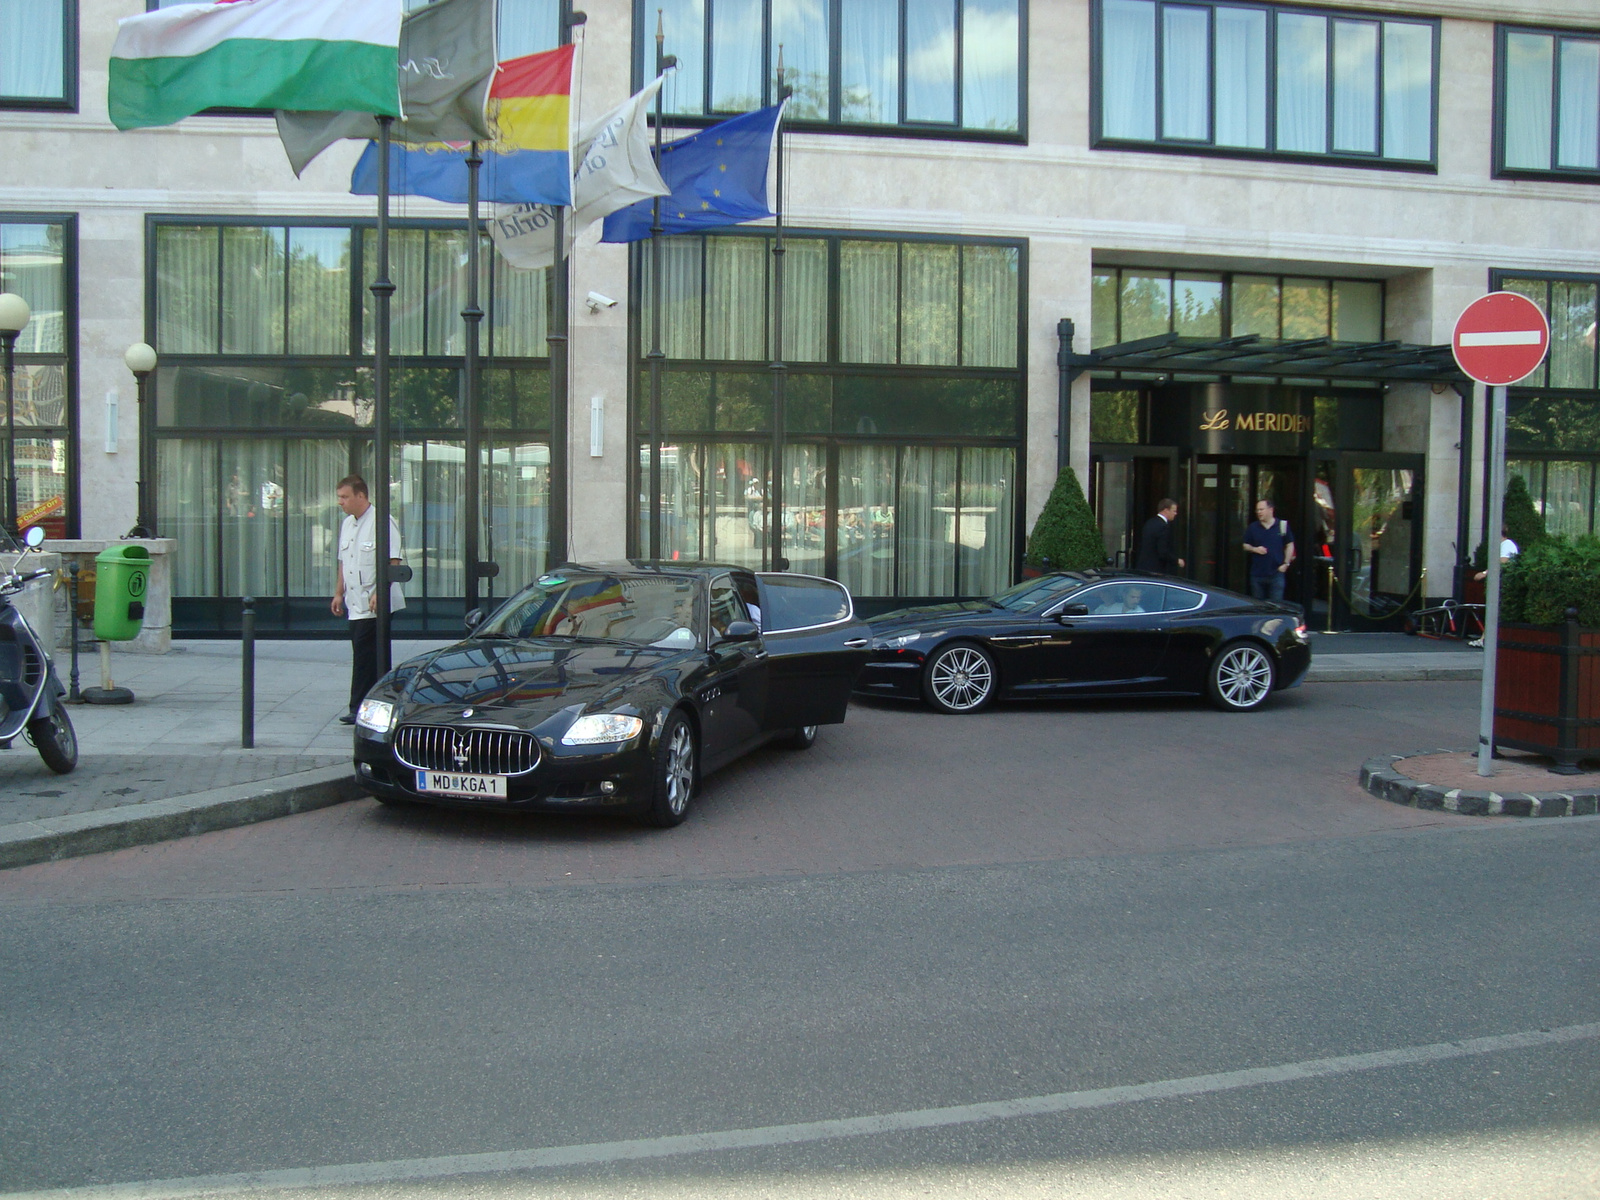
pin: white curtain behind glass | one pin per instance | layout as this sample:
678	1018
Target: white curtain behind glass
1241	77
800	30
929	303
988	511
1572	315
989	306
319	291
1128	69
186	289
408	255
1302	83
31	266
447	291
1578	142
869	64
516	525
315	467
186	498
736	510
1185	67
1355	87
31	57
735	55
989	39
1530	78
805	301
736	283
1407	91
252	291
680	296
865	520
252	538
520	314
926	548
869	296
931	61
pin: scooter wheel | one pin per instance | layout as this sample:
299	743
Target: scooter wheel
55	740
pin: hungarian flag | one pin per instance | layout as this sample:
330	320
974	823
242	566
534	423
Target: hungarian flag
294	54
530	161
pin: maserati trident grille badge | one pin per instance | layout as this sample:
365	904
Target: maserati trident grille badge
466	712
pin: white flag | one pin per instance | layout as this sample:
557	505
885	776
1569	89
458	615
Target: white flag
616	169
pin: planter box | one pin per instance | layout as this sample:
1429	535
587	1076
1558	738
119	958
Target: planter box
1547	691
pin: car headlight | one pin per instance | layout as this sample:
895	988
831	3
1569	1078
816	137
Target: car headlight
601	727
376	715
896	641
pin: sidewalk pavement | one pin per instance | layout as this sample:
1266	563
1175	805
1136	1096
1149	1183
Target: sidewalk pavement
169	765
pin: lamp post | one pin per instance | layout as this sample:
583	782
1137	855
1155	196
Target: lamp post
141	360
14	314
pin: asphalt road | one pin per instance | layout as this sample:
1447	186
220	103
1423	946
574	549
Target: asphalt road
1020	959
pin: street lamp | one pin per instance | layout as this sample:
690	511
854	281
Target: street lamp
141	360
14	314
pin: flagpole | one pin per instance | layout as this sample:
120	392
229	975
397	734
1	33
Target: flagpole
560	354
656	354
472	314
382	290
779	368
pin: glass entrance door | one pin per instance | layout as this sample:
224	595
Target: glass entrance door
1378	553
1225	495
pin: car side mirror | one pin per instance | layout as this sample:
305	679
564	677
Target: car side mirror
473	619
1073	610
740	631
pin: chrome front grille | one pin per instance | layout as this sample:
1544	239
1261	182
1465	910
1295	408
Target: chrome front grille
469	751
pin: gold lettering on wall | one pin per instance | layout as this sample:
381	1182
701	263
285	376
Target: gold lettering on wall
1214	420
1256	422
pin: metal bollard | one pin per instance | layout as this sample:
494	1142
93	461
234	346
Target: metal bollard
73	695
247	656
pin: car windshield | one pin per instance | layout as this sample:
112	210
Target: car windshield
645	610
1036	593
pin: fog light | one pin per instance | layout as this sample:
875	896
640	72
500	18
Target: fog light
607	787
366	768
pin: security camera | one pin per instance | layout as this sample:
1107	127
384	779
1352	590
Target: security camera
596	302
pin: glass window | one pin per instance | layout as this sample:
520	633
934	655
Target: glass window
736	298
33	266
33	51
1145	305
1549	101
805	300
1357	311
1197	305
930	303
1305	308
1570	305
989	306
1103	309
869	299
952	63
1342	86
1255	306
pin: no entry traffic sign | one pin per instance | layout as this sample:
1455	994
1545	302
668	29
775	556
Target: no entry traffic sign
1500	338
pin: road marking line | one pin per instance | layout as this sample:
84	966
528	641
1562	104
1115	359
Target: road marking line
1520	337
593	1153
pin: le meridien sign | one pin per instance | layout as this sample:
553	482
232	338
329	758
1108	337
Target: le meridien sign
1500	338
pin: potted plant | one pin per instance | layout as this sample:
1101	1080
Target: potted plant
1066	537
1524	526
1547	668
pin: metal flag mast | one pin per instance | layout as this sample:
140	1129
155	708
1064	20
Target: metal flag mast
382	289
472	314
656	355
560	351
779	368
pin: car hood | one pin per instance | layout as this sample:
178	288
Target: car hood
523	682
923	614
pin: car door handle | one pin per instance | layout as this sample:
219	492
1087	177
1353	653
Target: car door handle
855	643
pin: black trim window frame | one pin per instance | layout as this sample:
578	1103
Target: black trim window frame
1208	145
67	101
1499	278
66	358
1502	55
644	24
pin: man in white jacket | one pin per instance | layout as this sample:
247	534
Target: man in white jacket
356	586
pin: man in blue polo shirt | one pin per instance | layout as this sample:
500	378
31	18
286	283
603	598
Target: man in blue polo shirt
1271	544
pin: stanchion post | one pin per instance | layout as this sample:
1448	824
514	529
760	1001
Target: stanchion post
1329	629
73	695
247	699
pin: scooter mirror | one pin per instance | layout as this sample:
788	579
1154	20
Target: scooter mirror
34	536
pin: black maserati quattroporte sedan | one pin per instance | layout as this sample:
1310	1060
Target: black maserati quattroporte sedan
1093	634
613	687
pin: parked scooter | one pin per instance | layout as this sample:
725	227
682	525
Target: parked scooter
30	693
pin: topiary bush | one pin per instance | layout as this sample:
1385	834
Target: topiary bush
1550	576
1066	536
1523	521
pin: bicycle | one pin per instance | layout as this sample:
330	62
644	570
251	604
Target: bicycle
1448	620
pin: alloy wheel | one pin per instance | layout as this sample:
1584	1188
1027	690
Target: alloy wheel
1244	676
961	678
680	769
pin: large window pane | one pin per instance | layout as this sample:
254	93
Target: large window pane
314	468
1305	308
682	22
805	301
39	395
1567	511
319	291
805	508
1103	309
521	312
736	511
1537	290
989	52
1128	69
408	265
1255	306
865	520
253	283
986	533
1578	143
1357	311
736	310
1572	323
1530	79
1407	91
1185	91
989	306
735	55
800	33
1241	77
1355	87
1146	305
1302	83
869	300
681	292
1197	305
527	27
252	534
869	83
32	37
926	541
447	291
931	61
186	289
188	512
42	483
929	303
516	520
32	265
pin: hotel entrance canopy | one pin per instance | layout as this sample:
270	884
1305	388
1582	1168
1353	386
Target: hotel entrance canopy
1312	358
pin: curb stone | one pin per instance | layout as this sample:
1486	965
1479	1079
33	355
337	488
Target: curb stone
52	838
1379	777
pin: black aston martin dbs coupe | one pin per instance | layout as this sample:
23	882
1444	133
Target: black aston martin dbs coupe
1092	634
613	687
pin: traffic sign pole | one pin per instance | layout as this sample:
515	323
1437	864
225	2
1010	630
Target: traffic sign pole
1491	606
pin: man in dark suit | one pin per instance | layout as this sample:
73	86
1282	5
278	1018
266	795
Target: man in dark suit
1155	542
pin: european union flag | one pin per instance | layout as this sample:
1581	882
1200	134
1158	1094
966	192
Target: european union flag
718	177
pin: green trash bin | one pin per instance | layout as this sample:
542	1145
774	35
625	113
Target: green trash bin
122	577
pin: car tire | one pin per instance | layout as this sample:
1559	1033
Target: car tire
960	678
802	738
673	776
56	740
1241	677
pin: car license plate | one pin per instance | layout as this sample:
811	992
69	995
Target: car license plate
448	783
